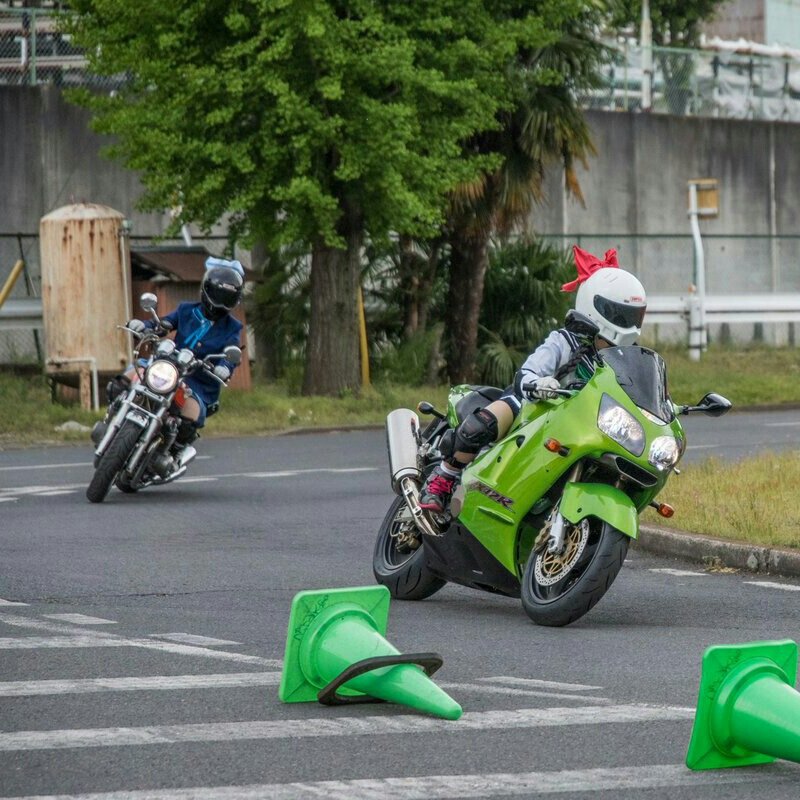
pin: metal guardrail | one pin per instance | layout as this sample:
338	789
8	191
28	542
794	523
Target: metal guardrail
21	314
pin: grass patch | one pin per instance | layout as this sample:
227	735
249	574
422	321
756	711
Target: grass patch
746	376
31	418
751	501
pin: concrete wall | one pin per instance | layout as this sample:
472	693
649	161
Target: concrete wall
635	190
636	200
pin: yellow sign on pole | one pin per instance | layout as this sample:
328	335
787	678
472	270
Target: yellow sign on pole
707	197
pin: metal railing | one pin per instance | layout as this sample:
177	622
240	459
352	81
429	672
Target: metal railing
706	83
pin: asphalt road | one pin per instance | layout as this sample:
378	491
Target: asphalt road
141	643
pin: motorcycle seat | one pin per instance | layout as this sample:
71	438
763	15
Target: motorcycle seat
479	397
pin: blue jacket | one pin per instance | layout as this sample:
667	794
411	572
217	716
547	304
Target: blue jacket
203	337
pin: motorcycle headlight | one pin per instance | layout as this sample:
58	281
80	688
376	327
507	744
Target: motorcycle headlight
161	377
620	425
664	452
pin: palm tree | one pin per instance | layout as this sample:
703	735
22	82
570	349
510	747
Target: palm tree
545	126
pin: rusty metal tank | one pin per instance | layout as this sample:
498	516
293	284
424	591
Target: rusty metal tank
85	262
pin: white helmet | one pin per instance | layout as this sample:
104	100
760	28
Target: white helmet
615	301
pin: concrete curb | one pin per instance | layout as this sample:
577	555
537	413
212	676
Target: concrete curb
370	426
710	551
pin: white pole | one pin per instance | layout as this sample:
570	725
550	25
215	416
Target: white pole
646	43
697	321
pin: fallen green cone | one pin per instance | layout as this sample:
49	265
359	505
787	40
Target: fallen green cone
747	710
336	653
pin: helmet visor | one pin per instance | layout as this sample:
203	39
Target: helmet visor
620	314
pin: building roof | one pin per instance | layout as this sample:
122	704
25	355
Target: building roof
184	264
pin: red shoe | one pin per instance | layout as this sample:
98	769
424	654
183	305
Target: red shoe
436	492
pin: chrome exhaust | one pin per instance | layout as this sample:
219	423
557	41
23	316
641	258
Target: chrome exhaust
402	441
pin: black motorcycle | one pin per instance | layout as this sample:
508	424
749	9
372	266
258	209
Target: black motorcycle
136	442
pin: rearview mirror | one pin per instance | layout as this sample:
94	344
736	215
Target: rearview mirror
715	405
148	301
233	354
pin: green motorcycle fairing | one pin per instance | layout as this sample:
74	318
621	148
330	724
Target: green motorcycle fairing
505	482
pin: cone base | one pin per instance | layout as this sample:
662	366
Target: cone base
718	663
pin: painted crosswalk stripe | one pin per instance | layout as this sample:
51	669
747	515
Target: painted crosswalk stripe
339	726
482	785
540	684
190	638
80	619
57	642
151	683
787	587
96	638
514	692
11	603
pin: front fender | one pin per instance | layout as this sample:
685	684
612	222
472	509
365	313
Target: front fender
600	500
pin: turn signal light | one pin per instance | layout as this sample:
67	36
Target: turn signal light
665	509
553	445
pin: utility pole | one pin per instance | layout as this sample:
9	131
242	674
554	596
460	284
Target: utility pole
646	43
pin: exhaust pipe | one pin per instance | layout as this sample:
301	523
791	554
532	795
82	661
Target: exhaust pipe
402	437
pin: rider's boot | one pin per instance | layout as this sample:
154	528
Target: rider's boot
438	488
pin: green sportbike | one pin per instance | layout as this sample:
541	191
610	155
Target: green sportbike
546	513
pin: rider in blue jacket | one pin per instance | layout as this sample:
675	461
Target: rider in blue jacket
205	327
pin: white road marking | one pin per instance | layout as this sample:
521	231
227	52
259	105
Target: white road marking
37	490
509	692
94	638
681	573
208	479
442	787
787	587
55	493
11	603
58	642
8	499
703	446
533	682
67	466
339	726
190	638
138	684
80	619
781	424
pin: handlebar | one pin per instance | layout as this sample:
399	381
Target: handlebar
527	387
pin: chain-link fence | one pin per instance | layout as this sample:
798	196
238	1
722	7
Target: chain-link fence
20	342
707	83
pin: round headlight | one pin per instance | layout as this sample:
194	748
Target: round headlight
161	377
664	452
620	425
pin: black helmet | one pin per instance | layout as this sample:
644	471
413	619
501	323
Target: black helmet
222	287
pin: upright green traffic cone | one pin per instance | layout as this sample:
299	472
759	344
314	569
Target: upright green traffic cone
747	711
336	653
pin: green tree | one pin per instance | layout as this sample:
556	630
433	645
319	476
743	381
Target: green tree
316	121
675	23
544	126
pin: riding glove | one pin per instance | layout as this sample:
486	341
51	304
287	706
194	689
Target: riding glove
543	388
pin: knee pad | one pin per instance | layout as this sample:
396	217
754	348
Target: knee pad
476	431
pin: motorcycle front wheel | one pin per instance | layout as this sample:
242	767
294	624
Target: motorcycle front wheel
112	461
558	589
396	563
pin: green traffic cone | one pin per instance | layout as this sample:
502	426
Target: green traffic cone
747	711
331	631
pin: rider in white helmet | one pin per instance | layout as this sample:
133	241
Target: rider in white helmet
609	310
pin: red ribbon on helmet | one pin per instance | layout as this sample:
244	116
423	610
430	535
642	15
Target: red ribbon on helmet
587	265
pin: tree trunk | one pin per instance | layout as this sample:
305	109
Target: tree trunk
332	358
469	261
269	349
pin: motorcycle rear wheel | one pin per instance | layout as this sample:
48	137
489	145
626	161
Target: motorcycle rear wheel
401	569
557	598
112	461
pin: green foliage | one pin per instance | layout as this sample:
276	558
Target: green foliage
522	303
289	114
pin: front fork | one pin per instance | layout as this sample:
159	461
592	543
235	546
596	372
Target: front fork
558	528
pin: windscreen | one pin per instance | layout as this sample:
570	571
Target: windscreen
642	373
